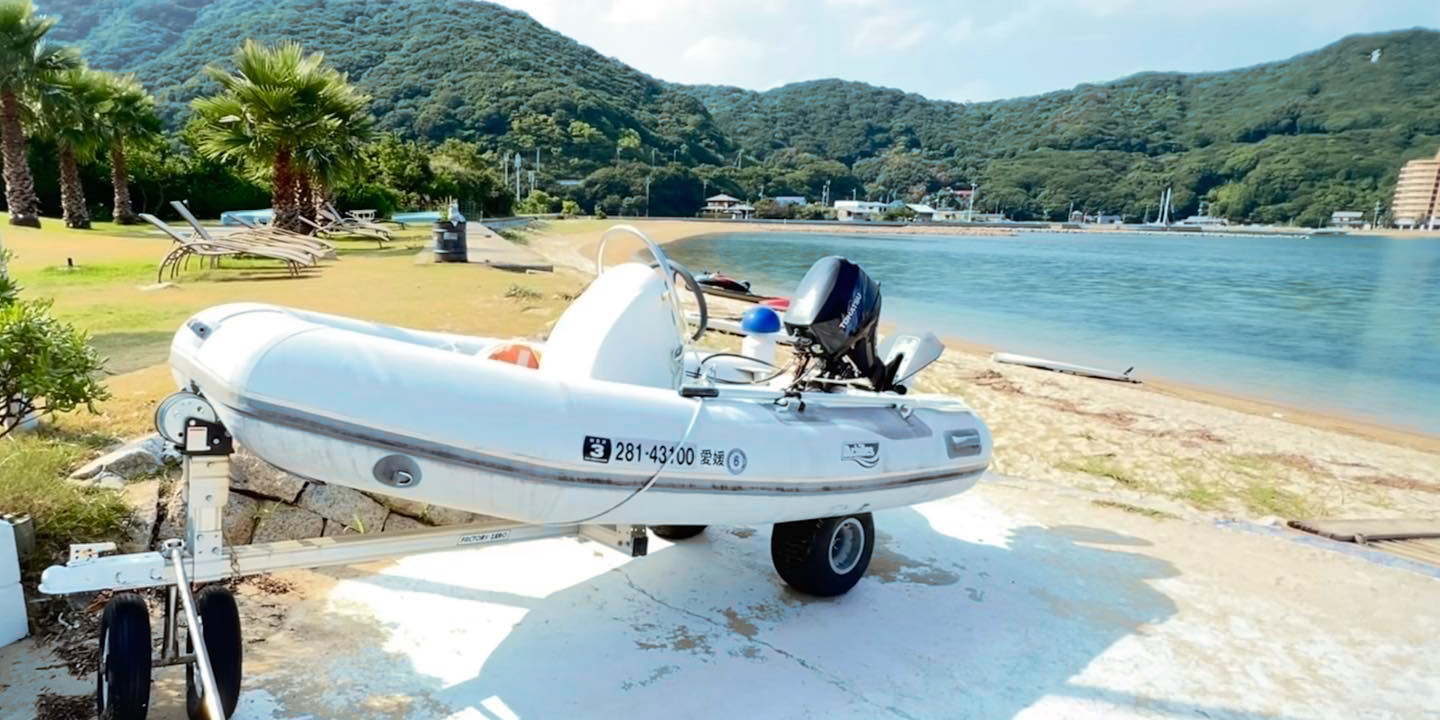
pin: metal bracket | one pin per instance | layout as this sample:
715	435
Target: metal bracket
206	438
630	539
85	552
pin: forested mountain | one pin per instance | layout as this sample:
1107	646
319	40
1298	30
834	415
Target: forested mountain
436	69
1287	141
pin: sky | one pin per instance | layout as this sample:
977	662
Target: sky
959	50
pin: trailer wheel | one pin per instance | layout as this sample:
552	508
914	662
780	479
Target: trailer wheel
823	557
122	679
677	532
220	621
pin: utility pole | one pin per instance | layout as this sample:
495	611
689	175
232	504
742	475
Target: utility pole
970	213
517	175
505	169
537	158
1375	219
740	159
647	194
652	157
854	194
532	181
675	156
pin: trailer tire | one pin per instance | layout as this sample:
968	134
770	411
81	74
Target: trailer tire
220	620
823	557
122	679
677	532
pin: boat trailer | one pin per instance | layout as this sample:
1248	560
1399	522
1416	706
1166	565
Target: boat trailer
211	628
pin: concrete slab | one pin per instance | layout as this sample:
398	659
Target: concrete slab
484	247
1007	602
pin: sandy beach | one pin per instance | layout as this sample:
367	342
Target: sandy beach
1165	445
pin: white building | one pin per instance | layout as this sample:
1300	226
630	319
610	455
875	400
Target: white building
1347	219
858	210
923	213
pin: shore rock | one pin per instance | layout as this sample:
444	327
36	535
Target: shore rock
400	505
441	515
255	476
134	458
287	522
333	528
343	505
144	501
397	522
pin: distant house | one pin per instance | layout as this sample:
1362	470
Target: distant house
723	205
783	200
923	213
1347	219
858	210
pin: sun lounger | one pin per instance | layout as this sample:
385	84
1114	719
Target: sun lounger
212	249
331	229
351	220
315	251
289	237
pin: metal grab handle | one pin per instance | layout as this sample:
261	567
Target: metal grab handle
210	695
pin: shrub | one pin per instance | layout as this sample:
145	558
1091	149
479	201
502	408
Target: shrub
600	213
571	208
45	365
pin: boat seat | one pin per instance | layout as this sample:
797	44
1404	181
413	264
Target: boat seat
621	329
516	353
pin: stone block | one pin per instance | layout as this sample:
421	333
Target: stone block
441	515
279	521
397	522
344	505
257	477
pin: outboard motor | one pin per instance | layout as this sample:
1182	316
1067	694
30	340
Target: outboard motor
833	319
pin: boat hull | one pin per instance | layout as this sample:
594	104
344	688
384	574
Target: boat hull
350	403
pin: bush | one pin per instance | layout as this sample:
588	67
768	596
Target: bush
32	482
571	208
46	365
600	213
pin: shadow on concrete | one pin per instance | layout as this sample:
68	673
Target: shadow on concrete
940	627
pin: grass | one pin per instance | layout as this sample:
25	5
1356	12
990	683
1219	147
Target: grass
32	481
523	292
1266	499
1136	509
1106	467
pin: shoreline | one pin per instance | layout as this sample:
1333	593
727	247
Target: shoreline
575	251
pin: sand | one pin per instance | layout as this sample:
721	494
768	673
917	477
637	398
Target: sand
1166	444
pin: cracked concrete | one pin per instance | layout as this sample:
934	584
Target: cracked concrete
1006	602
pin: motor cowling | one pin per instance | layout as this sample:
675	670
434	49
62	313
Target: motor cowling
834	317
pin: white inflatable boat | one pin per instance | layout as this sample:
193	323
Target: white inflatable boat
614	419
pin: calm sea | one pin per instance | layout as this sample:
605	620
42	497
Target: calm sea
1349	324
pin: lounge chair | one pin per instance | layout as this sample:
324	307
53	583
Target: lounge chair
289	237
333	229
188	247
351	218
317	250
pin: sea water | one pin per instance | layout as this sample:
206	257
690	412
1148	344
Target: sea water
1344	324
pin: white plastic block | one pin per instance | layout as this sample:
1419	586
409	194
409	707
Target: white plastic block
9	556
12	601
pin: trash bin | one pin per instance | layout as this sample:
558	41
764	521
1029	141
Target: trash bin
449	240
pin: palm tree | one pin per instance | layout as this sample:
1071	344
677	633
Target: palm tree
279	104
325	164
69	113
127	116
25	60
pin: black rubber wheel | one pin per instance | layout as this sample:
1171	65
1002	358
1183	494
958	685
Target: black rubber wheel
220	619
122	681
824	557
677	532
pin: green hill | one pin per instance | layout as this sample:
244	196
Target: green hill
436	68
1286	141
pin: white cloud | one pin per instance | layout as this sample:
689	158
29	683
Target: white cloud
889	33
721	49
976	50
